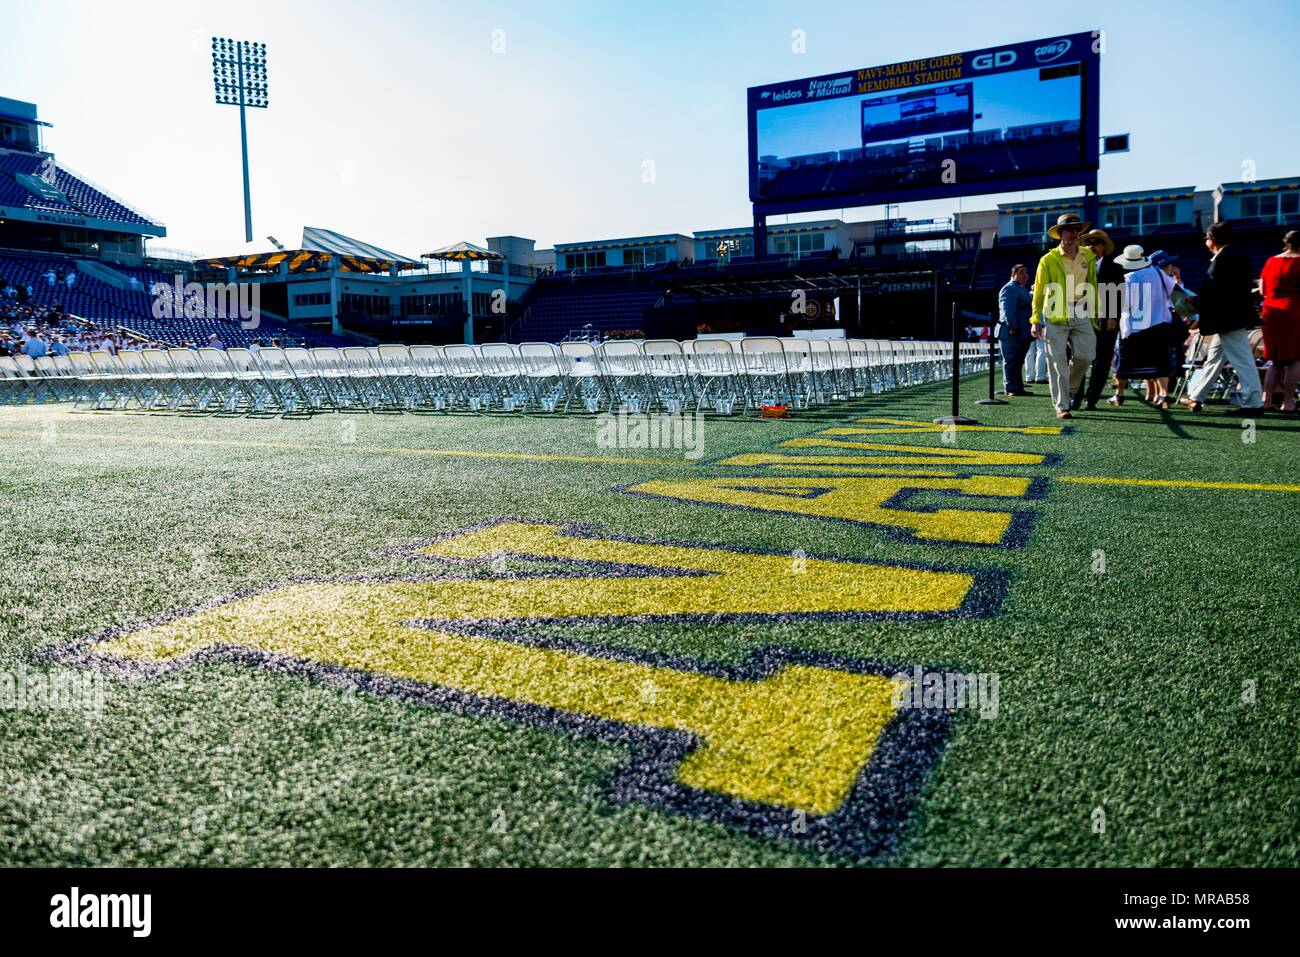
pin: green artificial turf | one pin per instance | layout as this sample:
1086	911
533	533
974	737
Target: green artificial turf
1121	691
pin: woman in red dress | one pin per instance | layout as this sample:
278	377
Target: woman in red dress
1281	287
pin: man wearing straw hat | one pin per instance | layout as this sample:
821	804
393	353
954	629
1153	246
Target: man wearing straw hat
1065	296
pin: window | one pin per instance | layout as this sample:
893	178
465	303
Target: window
726	248
433	304
366	305
1139	217
799	245
584	260
1278	207
646	256
1035	225
311	299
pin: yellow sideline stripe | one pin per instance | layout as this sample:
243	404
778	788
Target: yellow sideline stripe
1172	483
342	446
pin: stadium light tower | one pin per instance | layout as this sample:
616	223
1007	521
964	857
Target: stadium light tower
239	75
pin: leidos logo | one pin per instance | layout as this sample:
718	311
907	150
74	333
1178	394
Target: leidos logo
1049	52
781	95
75	910
787	743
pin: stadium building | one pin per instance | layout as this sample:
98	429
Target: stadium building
890	277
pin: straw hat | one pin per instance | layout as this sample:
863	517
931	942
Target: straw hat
1069	219
1099	235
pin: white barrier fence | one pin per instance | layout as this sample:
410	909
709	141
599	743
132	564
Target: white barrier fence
712	375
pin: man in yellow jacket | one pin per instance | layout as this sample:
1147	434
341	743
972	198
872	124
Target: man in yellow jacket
1065	301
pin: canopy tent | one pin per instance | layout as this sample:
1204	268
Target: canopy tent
466	254
317	239
321	248
461	251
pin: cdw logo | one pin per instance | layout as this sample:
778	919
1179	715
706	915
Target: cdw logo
1051	51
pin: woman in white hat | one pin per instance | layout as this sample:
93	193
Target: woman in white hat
1144	326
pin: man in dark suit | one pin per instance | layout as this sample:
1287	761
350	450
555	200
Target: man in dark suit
1110	303
1226	310
1014	307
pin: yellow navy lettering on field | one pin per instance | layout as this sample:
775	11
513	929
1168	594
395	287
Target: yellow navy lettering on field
786	736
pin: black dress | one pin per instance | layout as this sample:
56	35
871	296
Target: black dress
1145	354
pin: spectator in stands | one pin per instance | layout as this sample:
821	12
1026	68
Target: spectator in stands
215	343
58	346
1065	295
1225	309
1280	284
70	279
35	347
1014	306
255	346
1143	351
1110	303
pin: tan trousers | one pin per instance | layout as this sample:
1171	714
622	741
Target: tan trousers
1065	371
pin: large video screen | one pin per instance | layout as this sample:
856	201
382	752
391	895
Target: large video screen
1016	117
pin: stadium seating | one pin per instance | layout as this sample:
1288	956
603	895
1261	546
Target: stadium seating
556	305
132	308
83	198
714	375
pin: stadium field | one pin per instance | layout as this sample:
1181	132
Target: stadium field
399	639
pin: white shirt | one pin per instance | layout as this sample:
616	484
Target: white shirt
1147	300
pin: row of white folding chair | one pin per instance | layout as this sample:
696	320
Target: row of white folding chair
662	374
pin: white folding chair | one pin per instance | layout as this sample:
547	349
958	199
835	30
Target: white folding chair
671	384
503	375
582	376
622	366
543	371
766	375
429	364
464	369
278	375
716	372
303	366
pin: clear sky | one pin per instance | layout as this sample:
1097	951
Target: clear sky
415	124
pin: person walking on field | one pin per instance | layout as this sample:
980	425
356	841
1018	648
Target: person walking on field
1014	306
1225	309
1065	297
1281	287
1145	326
1110	303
